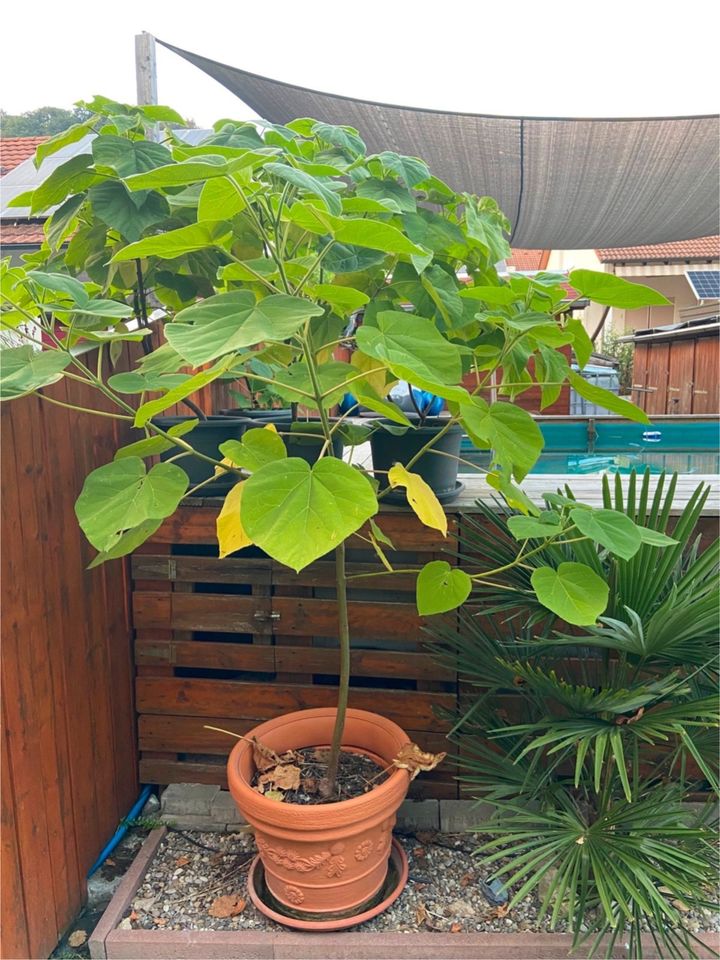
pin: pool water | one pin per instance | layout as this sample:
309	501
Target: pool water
592	445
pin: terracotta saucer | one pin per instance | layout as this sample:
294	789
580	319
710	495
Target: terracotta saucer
394	885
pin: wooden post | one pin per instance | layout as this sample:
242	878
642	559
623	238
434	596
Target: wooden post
145	68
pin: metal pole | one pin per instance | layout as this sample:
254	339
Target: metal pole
145	68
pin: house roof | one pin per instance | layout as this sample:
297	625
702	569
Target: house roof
702	248
528	259
13	150
22	232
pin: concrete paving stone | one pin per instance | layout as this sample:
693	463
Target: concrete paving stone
195	822
459	816
188	799
224	808
419	815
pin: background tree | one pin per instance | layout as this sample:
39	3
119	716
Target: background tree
45	121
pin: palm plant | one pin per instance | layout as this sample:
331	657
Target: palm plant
605	733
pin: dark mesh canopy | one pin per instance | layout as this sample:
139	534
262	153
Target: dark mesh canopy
563	183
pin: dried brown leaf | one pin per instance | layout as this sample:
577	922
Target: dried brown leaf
160	921
182	861
309	786
229	905
421	914
502	911
321	754
284	777
78	937
264	757
412	758
456	928
466	879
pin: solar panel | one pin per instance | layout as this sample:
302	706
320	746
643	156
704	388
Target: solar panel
705	283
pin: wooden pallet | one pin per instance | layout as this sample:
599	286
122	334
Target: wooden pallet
233	642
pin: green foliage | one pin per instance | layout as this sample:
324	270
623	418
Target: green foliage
42	122
623	353
612	727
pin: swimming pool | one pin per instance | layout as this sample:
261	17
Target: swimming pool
588	445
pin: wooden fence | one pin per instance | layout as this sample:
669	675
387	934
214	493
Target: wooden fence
677	375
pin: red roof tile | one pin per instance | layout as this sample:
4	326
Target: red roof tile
529	259
20	233
13	150
702	248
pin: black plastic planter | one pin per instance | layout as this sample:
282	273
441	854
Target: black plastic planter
306	447
206	437
255	413
438	470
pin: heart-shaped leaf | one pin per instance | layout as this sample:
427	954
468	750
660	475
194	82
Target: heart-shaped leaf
231	534
441	587
24	369
574	592
537	528
610	529
122	495
228	321
297	513
614	291
258	446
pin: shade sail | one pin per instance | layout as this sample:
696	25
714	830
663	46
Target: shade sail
563	183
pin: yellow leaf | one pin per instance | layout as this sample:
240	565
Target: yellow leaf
375	377
230	533
420	497
271	427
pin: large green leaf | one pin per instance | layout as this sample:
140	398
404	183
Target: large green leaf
60	283
432	231
386	190
513	434
63	221
609	528
175	243
127	543
185	389
308	184
73	176
179	174
548	524
129	214
296	513
127	157
582	344
368	397
441	587
228	321
348	258
24	369
495	296
614	291
344	137
331	377
410	170
604	398
258	446
121	495
375	235
414	350
220	199
343	300
74	133
574	592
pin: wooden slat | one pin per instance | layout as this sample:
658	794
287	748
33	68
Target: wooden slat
288	659
14	941
205	698
201	569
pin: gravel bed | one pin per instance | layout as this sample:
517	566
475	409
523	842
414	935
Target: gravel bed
444	893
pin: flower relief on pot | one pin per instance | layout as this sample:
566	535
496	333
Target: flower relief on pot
292	860
293	894
363	850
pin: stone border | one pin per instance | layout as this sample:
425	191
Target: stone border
107	942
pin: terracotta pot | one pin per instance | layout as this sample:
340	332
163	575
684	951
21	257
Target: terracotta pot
323	859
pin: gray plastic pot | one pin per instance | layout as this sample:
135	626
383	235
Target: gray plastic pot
439	472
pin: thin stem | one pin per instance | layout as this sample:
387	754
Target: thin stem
344	679
191	405
313	267
72	406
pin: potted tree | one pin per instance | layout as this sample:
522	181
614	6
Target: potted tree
260	246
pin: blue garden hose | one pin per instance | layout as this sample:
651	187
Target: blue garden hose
122	829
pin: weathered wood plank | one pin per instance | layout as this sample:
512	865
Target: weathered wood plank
205	698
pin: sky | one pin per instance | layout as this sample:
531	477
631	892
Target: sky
615	58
